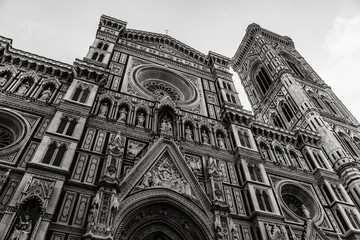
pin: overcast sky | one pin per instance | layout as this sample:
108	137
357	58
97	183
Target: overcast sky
325	32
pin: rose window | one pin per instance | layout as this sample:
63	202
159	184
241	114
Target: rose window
157	82
6	137
13	131
298	201
294	204
161	89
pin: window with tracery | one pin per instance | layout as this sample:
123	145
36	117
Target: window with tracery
277	121
287	111
263	80
81	94
295	69
6	137
54	154
294	203
67	126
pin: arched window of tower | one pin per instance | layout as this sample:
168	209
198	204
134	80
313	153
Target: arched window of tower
263	80
286	111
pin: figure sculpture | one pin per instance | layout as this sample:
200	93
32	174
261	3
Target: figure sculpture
22	229
123	115
103	109
46	94
188	133
24	87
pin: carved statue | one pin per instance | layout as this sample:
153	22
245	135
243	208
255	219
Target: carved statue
188	133
46	94
133	148
220	141
123	115
205	137
103	109
163	125
168	126
22	229
147	181
306	211
24	87
140	119
3	80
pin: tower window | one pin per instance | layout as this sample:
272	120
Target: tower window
82	93
278	121
287	111
95	56
101	57
263	80
54	154
100	45
295	69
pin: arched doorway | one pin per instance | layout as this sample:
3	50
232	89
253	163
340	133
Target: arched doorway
157	236
159	221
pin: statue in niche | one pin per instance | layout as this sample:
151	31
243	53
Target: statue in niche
188	133
103	109
220	141
305	211
140	119
22	229
46	94
24	87
94	210
205	137
166	126
274	232
3	80
123	114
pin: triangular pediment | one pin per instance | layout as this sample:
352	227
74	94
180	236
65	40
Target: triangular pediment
164	167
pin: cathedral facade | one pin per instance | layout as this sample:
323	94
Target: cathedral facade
145	138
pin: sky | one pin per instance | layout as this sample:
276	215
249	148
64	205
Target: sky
325	32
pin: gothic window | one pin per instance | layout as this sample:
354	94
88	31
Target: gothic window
67	125
60	155
277	121
81	94
338	193
263	80
105	48
54	154
329	106
94	56
342	220
255	172
316	101
263	200
310	160
327	192
287	111
295	69
319	159
233	98
100	45
353	219
101	57
347	142
49	153
244	138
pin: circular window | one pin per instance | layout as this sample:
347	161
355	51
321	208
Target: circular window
157	82
6	137
298	201
13	129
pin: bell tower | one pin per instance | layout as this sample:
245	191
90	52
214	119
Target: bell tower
285	92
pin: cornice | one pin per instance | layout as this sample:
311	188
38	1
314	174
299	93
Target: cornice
251	31
32	56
